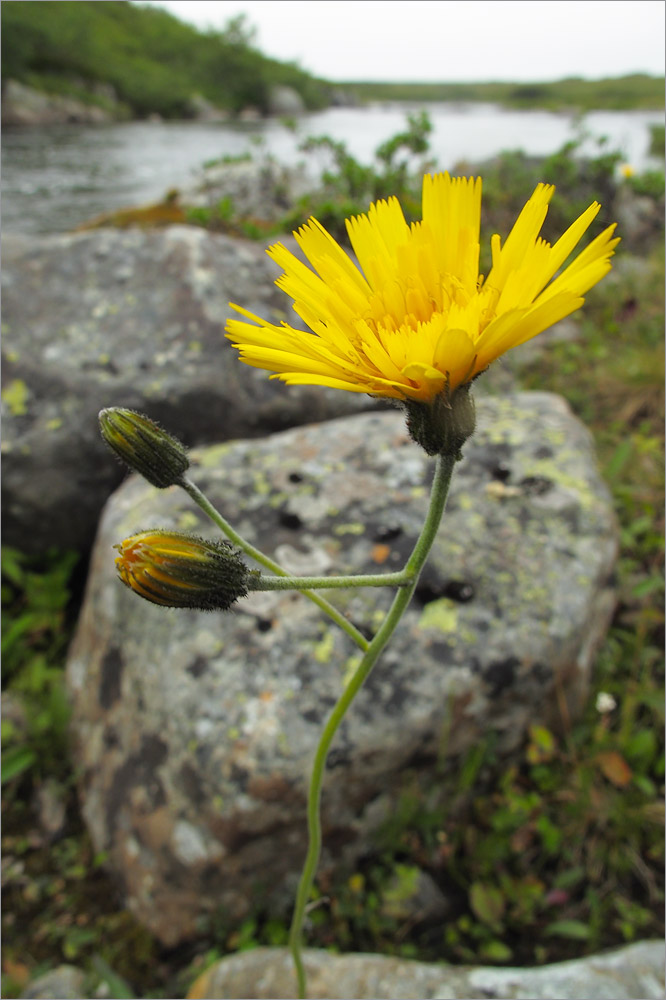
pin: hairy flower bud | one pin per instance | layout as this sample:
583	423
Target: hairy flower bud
142	444
443	425
182	571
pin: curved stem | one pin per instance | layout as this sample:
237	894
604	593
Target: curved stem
329	582
413	567
202	501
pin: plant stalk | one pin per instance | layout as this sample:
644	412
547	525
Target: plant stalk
412	570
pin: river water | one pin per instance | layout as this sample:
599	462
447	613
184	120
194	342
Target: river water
55	178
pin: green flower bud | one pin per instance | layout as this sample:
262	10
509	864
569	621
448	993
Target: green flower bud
142	444
182	571
443	425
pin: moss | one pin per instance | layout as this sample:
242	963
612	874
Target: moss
161	214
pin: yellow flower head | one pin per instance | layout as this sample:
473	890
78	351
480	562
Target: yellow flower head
417	320
181	571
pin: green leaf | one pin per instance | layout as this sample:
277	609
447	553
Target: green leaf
488	903
620	457
642	747
647	787
651	585
495	951
569	878
574	929
15	761
11	566
118	987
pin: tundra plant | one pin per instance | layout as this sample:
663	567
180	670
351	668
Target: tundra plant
416	323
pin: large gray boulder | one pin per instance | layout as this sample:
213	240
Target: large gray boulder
195	732
625	974
249	190
127	318
284	100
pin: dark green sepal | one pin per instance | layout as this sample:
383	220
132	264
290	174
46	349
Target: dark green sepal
442	425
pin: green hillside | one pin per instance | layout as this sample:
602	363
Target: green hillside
619	93
154	62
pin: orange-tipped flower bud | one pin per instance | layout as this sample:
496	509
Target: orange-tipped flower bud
182	571
142	444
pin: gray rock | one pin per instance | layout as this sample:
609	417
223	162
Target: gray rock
414	897
285	101
23	105
14	715
127	318
636	971
201	109
251	190
51	807
64	983
195	732
640	219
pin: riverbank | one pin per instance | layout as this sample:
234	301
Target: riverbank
633	92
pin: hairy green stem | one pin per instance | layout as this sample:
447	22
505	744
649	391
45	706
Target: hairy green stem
250	550
331	582
413	567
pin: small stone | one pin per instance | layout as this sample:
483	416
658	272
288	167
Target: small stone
413	896
64	983
51	807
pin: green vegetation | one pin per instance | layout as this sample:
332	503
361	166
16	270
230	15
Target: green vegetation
657	140
35	596
154	62
552	855
619	93
348	186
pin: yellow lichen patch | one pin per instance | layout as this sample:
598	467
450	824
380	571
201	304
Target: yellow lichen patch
324	648
349	529
441	615
15	397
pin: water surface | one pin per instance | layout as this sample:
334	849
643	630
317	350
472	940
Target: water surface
55	178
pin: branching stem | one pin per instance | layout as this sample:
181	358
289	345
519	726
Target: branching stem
413	567
254	553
